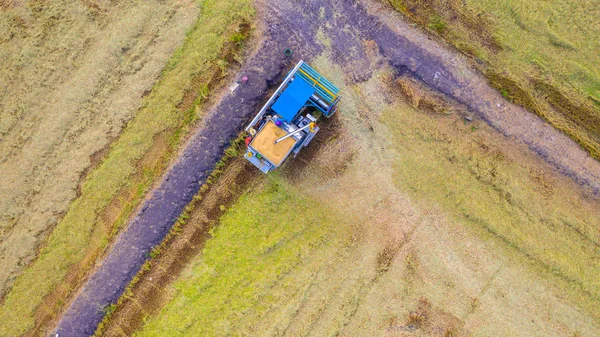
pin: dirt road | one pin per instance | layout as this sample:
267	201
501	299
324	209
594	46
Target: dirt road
180	184
306	26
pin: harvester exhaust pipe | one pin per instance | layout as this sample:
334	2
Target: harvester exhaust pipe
310	126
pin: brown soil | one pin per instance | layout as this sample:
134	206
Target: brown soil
430	320
423	98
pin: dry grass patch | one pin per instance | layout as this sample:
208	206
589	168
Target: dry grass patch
539	54
82	232
488	185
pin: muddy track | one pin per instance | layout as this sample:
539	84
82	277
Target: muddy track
346	25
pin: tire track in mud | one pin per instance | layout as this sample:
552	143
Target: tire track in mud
297	25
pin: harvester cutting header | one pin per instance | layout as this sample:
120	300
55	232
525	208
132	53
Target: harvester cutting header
288	121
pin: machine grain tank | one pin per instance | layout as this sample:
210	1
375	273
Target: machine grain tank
288	121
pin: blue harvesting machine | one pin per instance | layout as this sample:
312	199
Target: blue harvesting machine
288	121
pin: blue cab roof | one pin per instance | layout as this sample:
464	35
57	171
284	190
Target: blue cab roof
293	98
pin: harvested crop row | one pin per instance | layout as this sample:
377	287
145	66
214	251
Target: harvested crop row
70	81
134	161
